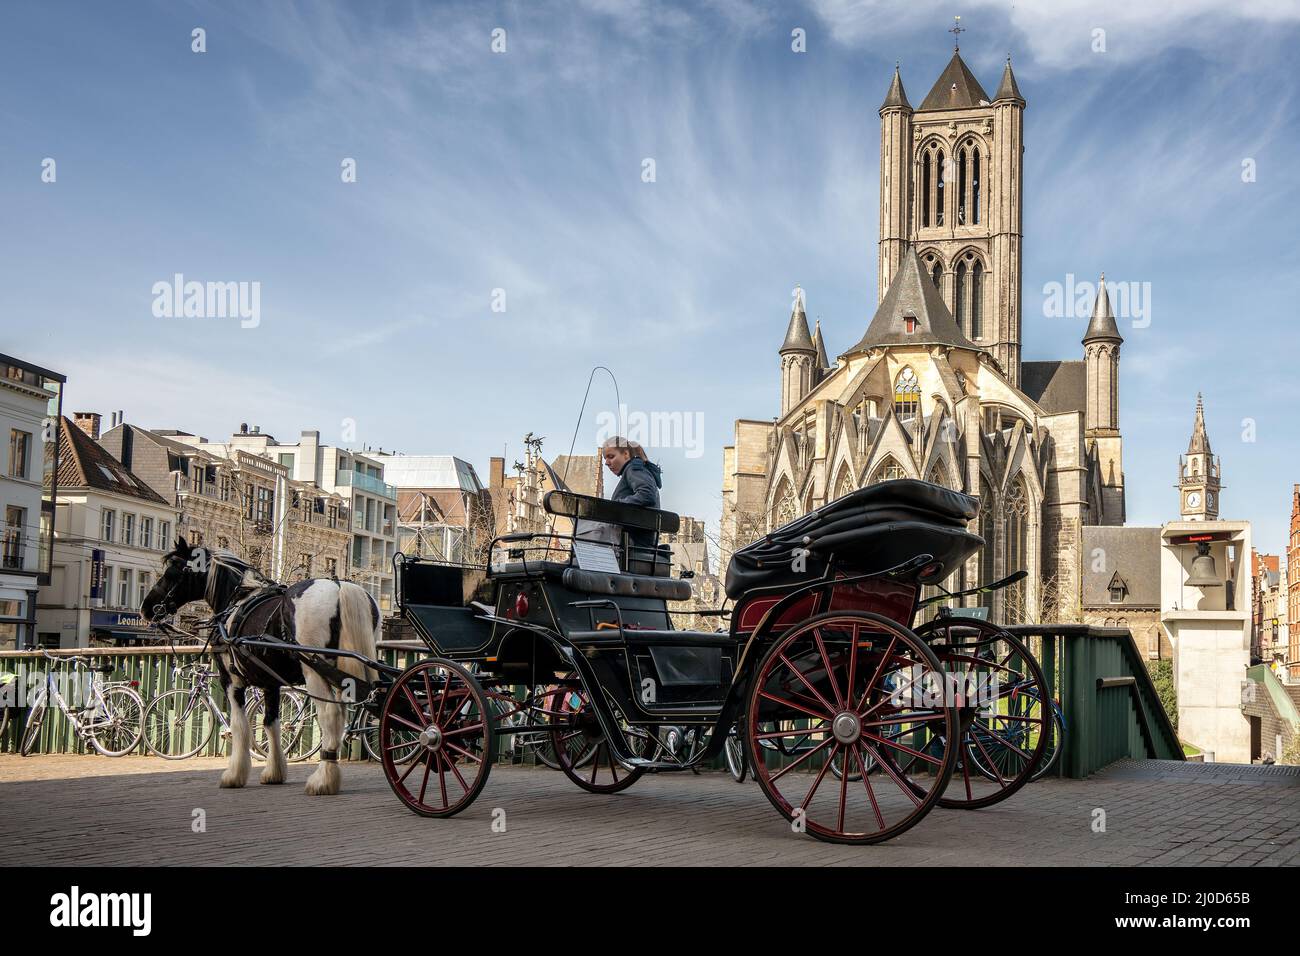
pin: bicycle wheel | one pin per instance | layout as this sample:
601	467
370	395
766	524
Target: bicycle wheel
32	732
1052	752
168	731
119	730
297	725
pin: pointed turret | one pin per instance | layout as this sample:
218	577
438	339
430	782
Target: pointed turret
896	98
1007	89
1102	327
797	338
912	313
1200	443
823	362
956	89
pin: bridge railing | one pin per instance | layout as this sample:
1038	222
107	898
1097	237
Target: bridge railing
1108	701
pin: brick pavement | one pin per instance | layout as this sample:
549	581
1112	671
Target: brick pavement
89	811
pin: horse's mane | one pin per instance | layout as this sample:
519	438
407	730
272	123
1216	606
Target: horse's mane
228	575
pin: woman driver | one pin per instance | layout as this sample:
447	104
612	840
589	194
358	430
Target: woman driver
639	480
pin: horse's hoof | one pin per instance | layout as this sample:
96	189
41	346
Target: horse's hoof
271	778
231	782
325	781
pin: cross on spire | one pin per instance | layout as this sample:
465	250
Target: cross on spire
956	31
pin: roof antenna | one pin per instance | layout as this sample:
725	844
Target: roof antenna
956	32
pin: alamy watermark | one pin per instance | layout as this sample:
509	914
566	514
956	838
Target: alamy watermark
1075	300
179	299
657	429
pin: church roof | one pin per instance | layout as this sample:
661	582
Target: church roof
797	338
1056	386
896	96
1007	89
1133	555
956	88
1200	443
820	344
912	295
1102	326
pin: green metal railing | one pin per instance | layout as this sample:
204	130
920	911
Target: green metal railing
1107	698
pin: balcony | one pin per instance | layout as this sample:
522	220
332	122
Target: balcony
360	482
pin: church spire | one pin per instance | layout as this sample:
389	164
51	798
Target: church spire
896	98
1200	443
797	338
820	345
1007	89
1102	328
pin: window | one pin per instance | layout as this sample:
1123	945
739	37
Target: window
15	522
106	592
128	529
286	459
124	588
968	297
165	536
959	297
332	567
889	470
968	185
907	394
976	297
20	445
932	183
304	563
142	588
223	542
106	529
265	504
1015	517
146	532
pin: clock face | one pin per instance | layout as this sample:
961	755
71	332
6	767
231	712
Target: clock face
1194	500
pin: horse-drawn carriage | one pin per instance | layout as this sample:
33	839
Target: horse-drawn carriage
853	722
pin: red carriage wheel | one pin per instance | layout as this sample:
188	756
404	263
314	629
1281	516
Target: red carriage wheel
581	749
861	689
1007	727
436	737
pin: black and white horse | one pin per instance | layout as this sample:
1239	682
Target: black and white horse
318	612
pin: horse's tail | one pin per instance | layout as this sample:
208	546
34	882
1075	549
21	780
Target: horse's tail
359	615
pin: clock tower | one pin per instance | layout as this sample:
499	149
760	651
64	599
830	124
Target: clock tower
1198	474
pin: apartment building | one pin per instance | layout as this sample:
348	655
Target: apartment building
110	533
233	499
444	511
31	403
354	477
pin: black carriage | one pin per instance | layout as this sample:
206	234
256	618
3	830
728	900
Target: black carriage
853	722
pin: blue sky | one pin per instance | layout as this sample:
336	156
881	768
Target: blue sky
522	171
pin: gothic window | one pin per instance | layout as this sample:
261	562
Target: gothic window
961	187
975	187
976	292
925	188
785	510
959	297
845	484
907	394
938	191
1015	520
987	531
889	470
933	175
935	268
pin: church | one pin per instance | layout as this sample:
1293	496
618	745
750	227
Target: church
935	388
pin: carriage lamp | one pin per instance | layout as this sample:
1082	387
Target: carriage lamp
521	604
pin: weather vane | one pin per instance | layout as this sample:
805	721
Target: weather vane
956	32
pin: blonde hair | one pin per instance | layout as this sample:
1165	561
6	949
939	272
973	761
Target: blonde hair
631	447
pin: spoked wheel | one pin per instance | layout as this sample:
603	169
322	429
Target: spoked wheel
119	729
176	726
1006	727
582	751
32	732
298	741
859	687
437	737
734	752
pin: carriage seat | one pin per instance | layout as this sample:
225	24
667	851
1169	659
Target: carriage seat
600	583
874	528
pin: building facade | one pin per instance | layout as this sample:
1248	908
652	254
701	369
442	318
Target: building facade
444	512
111	531
1292	670
232	499
935	388
30	409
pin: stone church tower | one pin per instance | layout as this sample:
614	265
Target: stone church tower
1198	474
951	184
935	388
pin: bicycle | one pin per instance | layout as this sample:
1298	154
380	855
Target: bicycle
111	719
180	722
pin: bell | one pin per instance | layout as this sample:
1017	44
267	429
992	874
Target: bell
1204	573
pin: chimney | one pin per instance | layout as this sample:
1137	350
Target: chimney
88	422
496	472
243	428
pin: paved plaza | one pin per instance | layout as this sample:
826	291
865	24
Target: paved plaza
91	811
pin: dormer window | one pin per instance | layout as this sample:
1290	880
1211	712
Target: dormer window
1117	588
909	324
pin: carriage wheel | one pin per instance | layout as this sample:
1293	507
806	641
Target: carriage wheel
1007	726
864	689
436	738
581	749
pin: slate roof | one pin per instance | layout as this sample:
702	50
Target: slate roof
84	464
1131	552
1007	89
896	95
1102	325
797	337
912	295
1057	386
955	89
